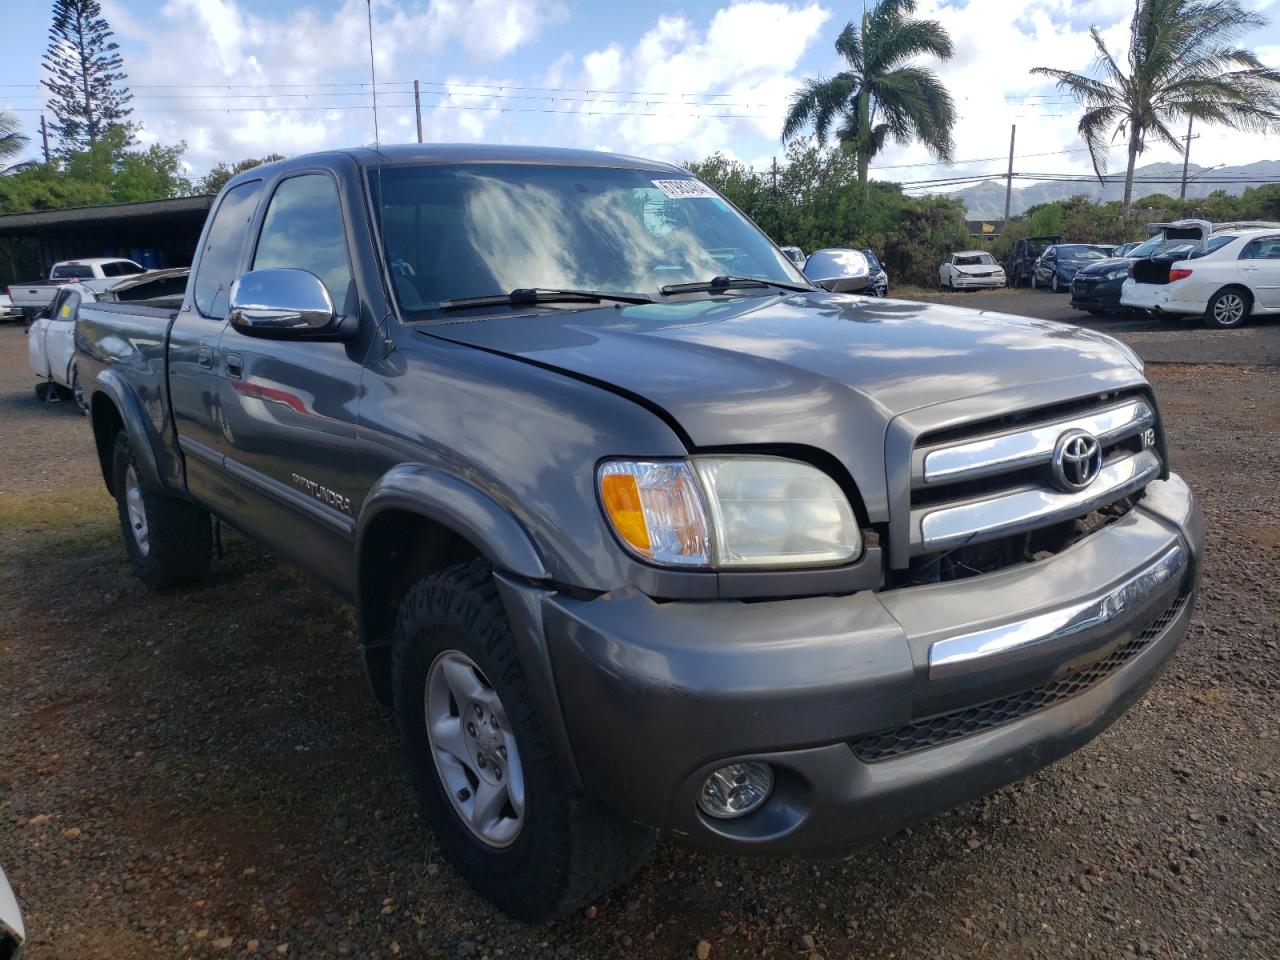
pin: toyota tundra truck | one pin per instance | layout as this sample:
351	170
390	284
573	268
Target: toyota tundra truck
646	535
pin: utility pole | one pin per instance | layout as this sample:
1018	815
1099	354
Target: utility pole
44	136
417	107
774	174
1008	180
1186	157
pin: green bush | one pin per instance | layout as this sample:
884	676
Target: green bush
817	201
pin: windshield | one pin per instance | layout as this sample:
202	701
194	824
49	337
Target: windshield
1079	251
452	232
975	260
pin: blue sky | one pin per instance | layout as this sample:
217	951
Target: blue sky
674	80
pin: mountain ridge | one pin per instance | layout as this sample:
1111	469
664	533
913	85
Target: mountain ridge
985	200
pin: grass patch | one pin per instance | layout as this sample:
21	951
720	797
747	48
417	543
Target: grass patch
61	509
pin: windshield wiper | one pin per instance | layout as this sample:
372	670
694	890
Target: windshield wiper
526	296
726	283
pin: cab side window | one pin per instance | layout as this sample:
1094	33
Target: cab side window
1264	248
303	231
223	246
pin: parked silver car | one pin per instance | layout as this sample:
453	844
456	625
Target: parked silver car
12	934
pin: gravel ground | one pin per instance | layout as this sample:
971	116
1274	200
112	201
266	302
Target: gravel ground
202	773
1180	340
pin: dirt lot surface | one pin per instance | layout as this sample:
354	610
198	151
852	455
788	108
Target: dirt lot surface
202	773
1174	340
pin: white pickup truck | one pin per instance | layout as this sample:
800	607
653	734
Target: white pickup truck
95	273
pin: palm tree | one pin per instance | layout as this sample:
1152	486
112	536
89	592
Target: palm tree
12	139
881	94
1182	65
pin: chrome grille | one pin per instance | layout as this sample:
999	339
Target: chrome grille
982	486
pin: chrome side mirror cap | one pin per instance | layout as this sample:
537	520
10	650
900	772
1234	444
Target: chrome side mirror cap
283	304
12	934
839	270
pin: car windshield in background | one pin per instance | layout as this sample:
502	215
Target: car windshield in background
452	233
976	260
1079	251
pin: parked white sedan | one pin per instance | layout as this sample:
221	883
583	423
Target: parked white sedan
1232	276
51	345
971	269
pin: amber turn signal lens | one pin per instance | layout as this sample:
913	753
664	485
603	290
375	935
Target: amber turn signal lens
621	496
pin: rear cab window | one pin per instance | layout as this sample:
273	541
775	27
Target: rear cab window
223	246
73	271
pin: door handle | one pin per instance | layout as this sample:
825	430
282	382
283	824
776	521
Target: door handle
204	357
235	365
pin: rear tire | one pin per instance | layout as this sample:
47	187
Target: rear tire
543	851
169	541
1229	308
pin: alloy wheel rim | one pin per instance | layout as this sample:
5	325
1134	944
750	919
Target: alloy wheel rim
1229	310
137	510
474	749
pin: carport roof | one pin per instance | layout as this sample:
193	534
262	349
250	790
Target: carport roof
42	221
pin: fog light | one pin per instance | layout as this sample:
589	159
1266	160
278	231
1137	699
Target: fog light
736	790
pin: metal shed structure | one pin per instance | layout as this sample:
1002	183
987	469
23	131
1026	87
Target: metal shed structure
155	233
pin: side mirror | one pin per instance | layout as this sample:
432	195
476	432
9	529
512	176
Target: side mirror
840	271
284	304
12	934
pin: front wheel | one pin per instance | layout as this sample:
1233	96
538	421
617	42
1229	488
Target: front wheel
1054	285
1228	308
169	541
481	765
1033	281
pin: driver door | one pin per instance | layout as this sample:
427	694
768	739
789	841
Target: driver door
290	405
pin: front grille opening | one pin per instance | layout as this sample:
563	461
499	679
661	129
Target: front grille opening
956	724
960	563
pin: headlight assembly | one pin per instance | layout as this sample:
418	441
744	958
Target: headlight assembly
729	512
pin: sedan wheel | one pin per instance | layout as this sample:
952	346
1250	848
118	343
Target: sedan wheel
1228	309
1054	285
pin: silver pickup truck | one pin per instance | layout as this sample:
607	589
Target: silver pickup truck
644	531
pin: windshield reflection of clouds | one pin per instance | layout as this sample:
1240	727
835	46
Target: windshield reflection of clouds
519	231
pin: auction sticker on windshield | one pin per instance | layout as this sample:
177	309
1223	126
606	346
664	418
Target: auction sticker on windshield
685	189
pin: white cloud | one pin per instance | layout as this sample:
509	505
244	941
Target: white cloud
301	58
692	91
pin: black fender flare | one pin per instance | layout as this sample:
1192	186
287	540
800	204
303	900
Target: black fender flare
129	407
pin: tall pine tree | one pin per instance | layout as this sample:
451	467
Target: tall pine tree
85	76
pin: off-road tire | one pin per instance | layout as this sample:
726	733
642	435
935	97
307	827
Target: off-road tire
569	850
1215	312
179	534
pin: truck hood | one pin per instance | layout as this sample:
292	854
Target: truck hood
818	369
